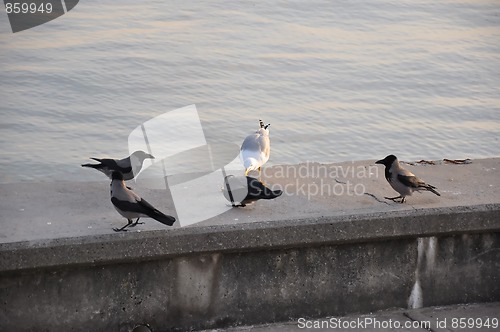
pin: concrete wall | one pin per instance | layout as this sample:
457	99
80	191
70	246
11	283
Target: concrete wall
217	276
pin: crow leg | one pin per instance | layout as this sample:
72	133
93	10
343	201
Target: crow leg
395	198
136	222
238	205
260	177
123	228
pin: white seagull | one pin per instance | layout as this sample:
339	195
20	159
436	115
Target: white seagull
402	180
255	149
131	206
129	166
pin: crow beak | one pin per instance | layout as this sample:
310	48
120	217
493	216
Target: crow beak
380	161
151	156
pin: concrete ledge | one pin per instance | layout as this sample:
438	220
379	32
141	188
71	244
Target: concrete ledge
274	261
152	245
436	319
221	289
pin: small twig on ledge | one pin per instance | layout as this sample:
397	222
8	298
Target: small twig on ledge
426	162
377	199
338	181
458	161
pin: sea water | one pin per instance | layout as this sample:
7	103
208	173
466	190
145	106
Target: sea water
338	80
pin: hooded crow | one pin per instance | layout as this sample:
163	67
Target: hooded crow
131	206
246	190
402	180
255	149
129	166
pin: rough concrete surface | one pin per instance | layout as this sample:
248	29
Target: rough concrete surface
118	248
33	211
435	319
221	289
300	255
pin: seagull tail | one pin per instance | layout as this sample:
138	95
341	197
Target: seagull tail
257	189
268	193
276	193
271	194
161	217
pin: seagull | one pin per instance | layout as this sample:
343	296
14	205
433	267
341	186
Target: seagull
131	206
402	180
255	149
129	166
246	189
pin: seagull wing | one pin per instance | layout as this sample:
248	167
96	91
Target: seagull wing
256	146
250	143
264	145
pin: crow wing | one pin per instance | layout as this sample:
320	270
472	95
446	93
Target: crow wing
128	206
143	207
112	165
410	181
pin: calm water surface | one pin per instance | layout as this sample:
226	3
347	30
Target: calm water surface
338	80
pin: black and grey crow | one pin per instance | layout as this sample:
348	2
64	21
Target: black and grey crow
131	206
129	166
402	180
